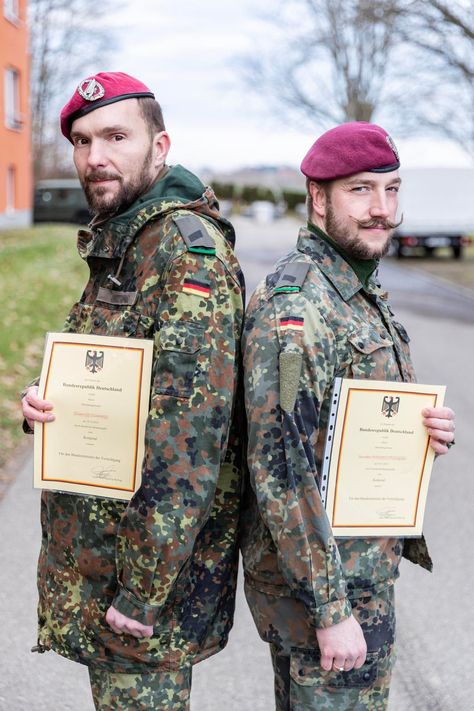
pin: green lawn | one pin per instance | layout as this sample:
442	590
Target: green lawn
41	275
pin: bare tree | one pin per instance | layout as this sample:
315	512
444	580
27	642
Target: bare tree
331	63
409	62
441	34
67	37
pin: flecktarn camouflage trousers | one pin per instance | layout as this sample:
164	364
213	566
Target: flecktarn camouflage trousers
160	691
301	684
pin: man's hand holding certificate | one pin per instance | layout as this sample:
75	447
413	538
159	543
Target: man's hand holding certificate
378	459
99	386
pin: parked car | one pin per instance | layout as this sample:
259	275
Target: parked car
60	200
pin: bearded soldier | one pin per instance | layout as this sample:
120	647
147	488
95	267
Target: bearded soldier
325	606
140	592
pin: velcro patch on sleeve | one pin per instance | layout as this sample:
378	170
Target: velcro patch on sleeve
293	323
199	288
290	373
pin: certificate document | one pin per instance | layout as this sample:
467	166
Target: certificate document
100	389
377	462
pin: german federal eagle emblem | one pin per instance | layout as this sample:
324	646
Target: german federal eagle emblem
390	405
94	361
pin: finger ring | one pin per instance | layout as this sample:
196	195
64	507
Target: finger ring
450	444
340	669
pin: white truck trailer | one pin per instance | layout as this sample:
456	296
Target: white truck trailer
438	211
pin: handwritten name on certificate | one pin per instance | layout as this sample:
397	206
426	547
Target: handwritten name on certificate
100	388
377	462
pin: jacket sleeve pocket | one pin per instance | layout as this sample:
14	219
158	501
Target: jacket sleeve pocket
179	345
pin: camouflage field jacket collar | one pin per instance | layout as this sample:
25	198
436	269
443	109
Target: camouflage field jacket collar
179	188
334	266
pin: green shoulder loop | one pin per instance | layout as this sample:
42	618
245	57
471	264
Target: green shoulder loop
196	237
291	278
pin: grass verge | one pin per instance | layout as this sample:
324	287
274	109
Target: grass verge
41	275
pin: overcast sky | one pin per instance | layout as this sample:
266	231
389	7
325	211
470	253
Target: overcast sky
185	52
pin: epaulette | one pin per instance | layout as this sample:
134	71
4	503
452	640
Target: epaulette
196	237
291	278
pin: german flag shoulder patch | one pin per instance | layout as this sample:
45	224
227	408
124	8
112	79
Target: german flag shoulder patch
199	288
293	323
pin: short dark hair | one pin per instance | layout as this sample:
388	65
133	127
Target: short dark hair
326	185
152	114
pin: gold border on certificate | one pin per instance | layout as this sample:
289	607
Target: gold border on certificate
379	458
100	389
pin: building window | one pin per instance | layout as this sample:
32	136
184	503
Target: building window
11	180
12	99
11	10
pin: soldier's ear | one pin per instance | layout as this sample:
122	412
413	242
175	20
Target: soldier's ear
318	197
161	146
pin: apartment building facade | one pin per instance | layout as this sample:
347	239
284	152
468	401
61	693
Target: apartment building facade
15	123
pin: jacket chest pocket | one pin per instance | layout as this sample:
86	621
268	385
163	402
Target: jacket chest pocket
179	345
120	322
105	321
372	356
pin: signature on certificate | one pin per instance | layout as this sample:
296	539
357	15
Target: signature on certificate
106	473
388	513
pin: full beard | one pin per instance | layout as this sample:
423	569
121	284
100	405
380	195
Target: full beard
353	244
103	205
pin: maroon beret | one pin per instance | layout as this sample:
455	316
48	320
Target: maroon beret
350	148
99	90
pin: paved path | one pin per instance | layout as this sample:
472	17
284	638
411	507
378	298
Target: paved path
435	626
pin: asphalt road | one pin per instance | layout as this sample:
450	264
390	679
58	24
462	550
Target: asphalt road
434	671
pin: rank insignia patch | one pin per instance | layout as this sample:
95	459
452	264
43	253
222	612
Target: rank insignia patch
200	288
295	323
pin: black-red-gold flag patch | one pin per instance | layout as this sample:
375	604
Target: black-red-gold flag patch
295	323
200	288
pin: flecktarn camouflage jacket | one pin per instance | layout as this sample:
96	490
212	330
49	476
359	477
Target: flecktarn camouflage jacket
309	322
168	558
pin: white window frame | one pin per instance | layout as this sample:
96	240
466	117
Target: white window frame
13	119
11	10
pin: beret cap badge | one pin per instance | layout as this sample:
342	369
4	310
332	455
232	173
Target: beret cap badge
392	145
91	89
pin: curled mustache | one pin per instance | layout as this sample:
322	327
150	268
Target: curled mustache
377	222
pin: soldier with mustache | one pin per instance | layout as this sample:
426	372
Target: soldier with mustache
325	606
